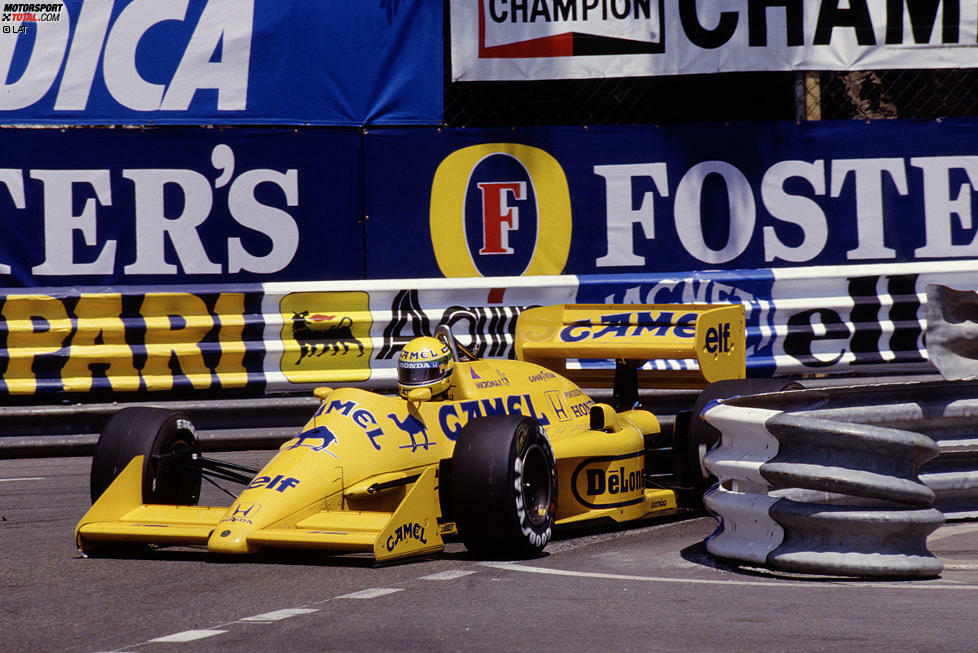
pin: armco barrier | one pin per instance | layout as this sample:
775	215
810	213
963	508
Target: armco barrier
255	339
870	455
222	425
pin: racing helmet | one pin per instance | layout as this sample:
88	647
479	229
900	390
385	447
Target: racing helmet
424	362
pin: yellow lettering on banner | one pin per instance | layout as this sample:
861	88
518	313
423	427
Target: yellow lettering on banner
36	325
230	308
176	324
100	340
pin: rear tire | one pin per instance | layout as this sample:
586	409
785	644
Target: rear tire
168	442
504	487
701	437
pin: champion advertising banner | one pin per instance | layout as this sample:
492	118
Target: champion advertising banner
560	39
221	61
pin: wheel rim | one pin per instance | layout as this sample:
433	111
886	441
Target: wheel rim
536	485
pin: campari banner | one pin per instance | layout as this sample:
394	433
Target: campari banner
555	39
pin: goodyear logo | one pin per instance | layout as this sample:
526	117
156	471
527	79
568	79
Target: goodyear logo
507	206
621	325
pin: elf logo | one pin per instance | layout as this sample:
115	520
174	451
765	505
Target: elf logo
278	483
506	205
718	339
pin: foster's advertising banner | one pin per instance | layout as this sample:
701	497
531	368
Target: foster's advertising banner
121	207
197	205
648	200
221	61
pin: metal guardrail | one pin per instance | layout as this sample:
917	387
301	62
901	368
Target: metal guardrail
837	480
222	424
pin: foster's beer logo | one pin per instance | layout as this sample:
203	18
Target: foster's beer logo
500	209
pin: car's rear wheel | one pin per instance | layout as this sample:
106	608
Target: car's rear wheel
504	487
168	443
701	437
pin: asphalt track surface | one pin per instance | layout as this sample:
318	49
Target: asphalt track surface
648	587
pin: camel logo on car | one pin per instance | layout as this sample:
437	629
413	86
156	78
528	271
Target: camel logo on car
414	428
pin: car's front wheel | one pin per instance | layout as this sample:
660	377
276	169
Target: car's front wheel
504	487
168	443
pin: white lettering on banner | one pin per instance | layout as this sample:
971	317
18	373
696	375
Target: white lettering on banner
947	211
153	223
224	25
796	209
869	175
939	207
621	216
743	211
60	224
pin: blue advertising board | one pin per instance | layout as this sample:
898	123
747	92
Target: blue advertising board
222	61
198	205
178	205
649	199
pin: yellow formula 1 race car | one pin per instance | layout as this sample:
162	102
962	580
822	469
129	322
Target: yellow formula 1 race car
497	452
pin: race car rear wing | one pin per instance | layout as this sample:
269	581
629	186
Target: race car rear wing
690	345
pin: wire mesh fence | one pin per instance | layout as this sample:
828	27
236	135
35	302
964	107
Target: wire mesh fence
715	98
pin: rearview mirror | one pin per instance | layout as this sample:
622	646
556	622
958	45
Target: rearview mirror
418	395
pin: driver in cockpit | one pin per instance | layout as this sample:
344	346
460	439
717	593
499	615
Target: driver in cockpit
425	362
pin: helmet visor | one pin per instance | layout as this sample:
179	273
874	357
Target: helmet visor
419	372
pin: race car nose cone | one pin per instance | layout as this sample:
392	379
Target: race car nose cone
228	539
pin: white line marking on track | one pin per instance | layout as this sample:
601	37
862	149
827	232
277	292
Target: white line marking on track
371	593
188	636
448	575
704	581
25	478
279	615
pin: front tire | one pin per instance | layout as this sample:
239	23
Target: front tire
504	487
168	443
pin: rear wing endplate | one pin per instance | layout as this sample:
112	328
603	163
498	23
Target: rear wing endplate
698	343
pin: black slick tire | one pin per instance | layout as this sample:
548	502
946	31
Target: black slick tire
168	442
701	437
504	487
